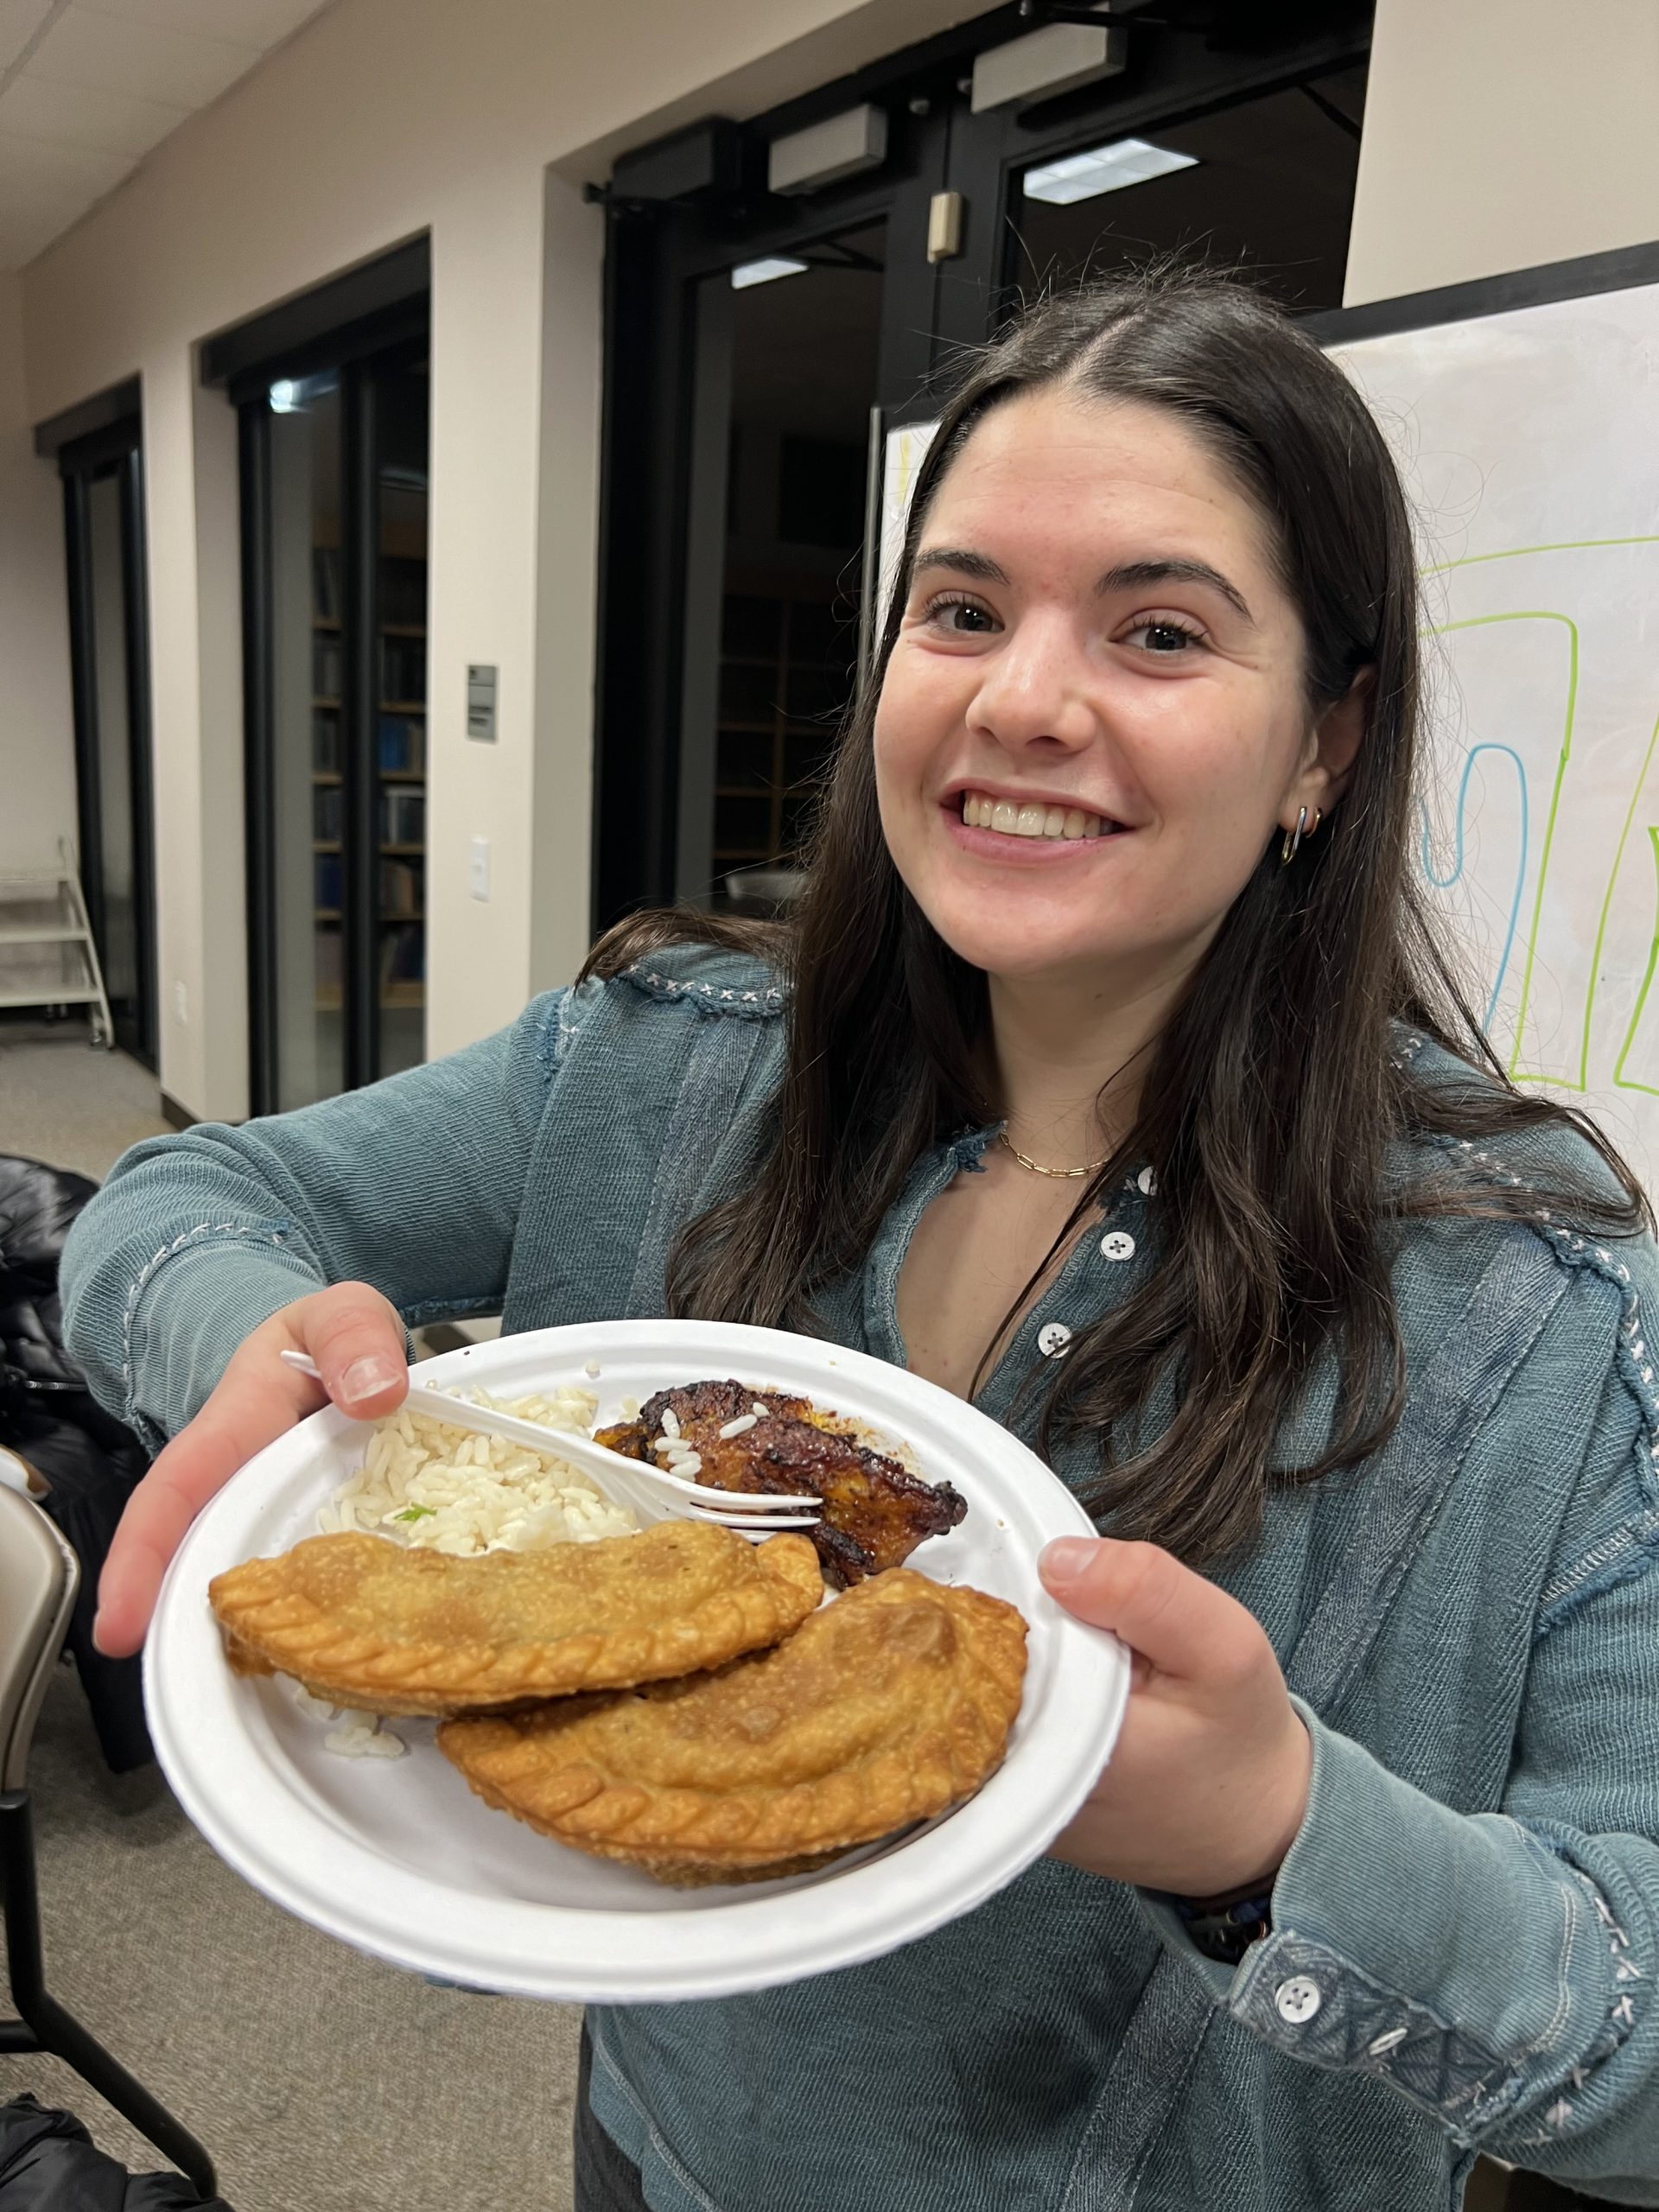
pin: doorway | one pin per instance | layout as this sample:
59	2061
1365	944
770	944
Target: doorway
332	394
787	349
104	537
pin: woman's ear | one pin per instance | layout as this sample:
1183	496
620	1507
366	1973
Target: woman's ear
1336	740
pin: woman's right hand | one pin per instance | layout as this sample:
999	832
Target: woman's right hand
356	1339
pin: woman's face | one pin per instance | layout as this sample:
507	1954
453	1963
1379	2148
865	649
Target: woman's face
1093	720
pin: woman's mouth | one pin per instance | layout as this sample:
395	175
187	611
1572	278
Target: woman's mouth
1036	820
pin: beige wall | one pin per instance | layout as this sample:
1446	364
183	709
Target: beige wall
382	119
37	767
1500	134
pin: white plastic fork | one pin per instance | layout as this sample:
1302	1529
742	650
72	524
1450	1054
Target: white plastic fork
647	1491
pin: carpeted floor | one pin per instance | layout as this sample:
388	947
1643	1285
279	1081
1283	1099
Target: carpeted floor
64	1103
320	2080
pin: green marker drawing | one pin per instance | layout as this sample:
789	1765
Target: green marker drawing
1623	1081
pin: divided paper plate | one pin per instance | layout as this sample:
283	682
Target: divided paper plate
399	1859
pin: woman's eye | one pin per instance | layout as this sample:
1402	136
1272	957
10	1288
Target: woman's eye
1158	636
959	618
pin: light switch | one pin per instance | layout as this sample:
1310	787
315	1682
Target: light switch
478	872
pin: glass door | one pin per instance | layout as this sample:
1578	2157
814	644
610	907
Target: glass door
335	488
787	365
103	482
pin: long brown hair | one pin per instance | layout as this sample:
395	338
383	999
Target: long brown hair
1278	1084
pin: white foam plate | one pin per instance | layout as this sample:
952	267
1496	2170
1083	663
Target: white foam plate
397	1858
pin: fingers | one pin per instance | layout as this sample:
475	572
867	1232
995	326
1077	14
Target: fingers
1170	1617
357	1340
257	1400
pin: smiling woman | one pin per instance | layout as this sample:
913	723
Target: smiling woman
1159	575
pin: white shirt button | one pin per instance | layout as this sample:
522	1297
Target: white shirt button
1297	2000
1146	1180
1052	1338
1117	1244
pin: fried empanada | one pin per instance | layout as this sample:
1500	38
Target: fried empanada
366	1622
889	1706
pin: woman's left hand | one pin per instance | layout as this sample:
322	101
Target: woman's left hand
1208	1785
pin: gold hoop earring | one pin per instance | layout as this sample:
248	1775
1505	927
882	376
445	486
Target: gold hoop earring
1292	844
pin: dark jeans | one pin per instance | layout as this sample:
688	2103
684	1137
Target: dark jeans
605	2181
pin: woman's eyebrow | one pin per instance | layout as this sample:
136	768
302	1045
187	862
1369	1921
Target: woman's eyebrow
964	561
1136	576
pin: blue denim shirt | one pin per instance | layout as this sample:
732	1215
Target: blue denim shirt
1466	1930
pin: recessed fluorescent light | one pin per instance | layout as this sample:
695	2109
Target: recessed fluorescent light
764	271
285	396
1103	169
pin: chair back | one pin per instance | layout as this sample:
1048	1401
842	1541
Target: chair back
38	1576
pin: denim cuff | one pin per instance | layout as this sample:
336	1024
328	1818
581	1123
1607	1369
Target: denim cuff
1449	1954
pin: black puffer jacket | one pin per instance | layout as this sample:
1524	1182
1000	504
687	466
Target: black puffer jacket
49	1418
47	2164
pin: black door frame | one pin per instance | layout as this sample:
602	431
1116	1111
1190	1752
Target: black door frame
657	254
115	450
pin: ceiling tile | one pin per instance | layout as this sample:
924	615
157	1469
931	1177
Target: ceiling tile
108	54
113	123
244	22
19	21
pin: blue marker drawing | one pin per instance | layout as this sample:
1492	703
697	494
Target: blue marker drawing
1445	882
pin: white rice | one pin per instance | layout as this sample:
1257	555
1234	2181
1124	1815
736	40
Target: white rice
446	1489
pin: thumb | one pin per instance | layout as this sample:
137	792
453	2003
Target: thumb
1170	1617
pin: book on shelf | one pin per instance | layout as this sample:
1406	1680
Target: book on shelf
328	881
403	668
400	886
327	814
402	955
326	667
403	744
325	582
403	817
329	963
325	743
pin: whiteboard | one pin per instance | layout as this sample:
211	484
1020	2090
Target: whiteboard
1529	443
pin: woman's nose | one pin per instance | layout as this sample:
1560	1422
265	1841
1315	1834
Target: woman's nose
1036	687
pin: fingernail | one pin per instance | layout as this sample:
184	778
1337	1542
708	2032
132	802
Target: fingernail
365	1376
1067	1558
98	1633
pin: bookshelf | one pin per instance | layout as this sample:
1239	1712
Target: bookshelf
788	655
399	762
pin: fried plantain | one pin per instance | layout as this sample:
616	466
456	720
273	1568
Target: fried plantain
875	1512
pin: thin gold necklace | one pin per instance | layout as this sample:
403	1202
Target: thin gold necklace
1062	1174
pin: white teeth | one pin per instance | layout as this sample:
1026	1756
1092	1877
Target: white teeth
979	811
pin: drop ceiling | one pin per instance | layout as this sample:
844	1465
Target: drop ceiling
88	87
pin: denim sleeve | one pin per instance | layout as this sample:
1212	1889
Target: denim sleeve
1498	1970
413	1185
